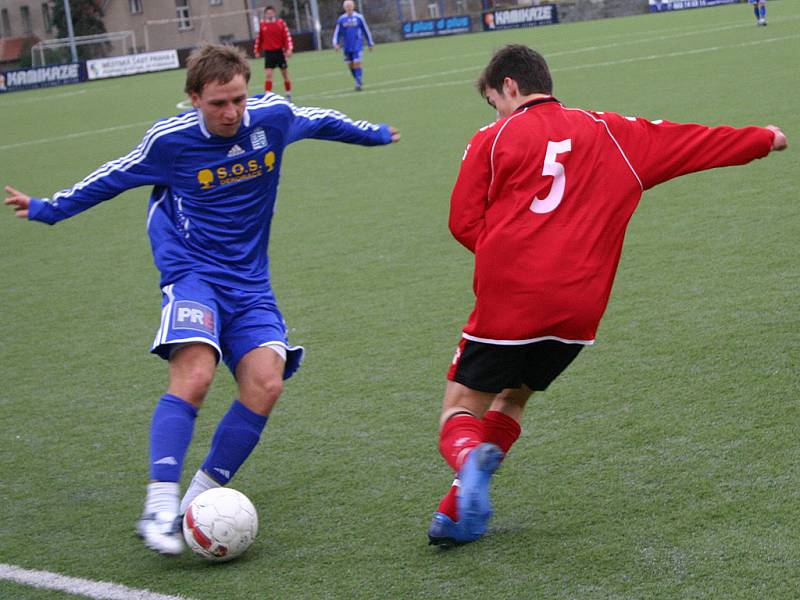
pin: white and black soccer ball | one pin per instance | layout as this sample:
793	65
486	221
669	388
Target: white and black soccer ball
220	524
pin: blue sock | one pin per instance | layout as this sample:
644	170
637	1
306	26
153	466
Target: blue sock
357	75
237	434
353	73
755	10
763	11
170	435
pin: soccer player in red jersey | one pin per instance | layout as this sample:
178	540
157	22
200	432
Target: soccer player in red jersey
275	42
542	199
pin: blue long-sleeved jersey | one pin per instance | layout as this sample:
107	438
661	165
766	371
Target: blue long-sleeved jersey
350	32
213	197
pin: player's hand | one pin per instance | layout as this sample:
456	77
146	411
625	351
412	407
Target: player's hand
369	48
336	46
19	201
287	53
395	134
779	142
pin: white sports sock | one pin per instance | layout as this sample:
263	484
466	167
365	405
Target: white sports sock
200	483
162	496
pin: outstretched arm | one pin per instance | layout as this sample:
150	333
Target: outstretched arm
328	124
147	164
661	150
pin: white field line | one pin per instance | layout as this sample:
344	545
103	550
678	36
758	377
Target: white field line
609	63
101	590
70	136
384	90
46	98
549	54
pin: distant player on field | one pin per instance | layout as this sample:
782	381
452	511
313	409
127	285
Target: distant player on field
274	41
214	172
542	199
760	10
351	30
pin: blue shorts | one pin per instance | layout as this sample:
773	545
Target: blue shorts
231	321
355	56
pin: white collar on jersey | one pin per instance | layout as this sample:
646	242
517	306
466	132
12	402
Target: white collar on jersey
202	122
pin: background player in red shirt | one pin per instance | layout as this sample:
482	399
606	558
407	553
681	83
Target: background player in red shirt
275	42
543	198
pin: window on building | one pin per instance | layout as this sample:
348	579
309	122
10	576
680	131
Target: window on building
47	18
25	15
135	6
6	23
215	2
227	39
182	12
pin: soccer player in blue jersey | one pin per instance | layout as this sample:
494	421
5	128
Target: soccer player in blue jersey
351	30
760	10
214	172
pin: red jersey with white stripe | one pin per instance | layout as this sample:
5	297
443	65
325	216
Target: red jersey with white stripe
543	199
273	35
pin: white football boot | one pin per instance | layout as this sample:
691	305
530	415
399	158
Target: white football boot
161	532
160	525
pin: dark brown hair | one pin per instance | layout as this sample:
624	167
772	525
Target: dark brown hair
520	63
214	63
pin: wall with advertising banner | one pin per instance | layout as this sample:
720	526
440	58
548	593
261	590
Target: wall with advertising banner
528	16
38	77
147	62
431	27
660	5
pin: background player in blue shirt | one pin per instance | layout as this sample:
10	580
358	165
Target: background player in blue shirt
351	30
214	172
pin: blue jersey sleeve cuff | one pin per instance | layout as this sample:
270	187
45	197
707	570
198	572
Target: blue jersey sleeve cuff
40	210
386	134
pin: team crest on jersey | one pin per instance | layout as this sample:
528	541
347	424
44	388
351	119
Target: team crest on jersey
258	138
193	315
206	179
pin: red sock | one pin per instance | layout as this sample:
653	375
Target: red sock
447	506
460	433
287	85
267	86
500	429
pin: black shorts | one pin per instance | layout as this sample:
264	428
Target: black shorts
274	59
493	367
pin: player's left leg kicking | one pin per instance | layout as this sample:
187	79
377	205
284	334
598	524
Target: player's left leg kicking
488	388
477	430
255	348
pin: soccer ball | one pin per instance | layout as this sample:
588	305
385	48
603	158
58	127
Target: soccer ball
220	524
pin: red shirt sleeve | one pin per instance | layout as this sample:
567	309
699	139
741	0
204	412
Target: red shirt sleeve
470	195
288	44
660	150
257	46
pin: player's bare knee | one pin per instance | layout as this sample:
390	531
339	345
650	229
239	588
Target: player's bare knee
192	383
261	393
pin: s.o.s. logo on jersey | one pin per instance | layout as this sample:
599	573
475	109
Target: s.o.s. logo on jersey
236	171
193	315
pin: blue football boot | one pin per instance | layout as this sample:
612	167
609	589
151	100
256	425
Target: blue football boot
445	533
472	499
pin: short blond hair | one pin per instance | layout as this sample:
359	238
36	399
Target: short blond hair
214	63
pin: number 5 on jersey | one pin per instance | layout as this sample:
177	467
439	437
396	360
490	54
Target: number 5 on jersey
554	169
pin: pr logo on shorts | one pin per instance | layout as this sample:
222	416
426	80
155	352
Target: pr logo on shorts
193	315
